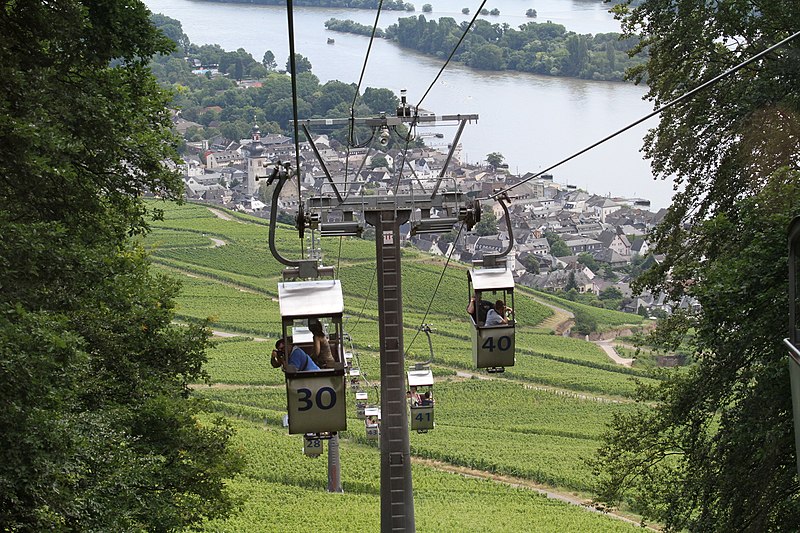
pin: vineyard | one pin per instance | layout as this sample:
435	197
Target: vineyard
539	421
281	490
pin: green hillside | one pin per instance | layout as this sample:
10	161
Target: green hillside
539	421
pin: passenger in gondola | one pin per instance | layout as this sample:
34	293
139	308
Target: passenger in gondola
427	399
480	311
297	357
413	397
372	421
497	315
321	355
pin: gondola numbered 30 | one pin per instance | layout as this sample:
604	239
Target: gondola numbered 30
315	399
491	292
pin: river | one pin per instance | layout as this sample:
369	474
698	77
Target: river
534	121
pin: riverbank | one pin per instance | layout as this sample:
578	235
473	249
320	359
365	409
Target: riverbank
545	49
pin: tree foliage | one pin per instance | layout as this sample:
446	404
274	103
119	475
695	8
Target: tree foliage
220	107
488	224
495	159
558	247
98	431
541	48
716	453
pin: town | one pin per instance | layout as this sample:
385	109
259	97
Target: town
565	239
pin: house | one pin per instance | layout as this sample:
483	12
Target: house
640	246
488	245
603	207
582	244
194	189
559	280
223	159
616	241
610	257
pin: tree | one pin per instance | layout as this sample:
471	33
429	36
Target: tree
488	224
558	247
380	100
530	263
531	13
258	72
172	29
379	161
99	429
301	63
487	56
495	159
495	12
715	453
578	55
588	260
571	285
427	8
610	293
465	11
269	60
484	11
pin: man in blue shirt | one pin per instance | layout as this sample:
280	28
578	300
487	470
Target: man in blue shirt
297	358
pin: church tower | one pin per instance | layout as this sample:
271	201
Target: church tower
257	161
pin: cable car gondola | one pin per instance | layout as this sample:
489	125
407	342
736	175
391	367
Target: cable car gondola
420	392
315	398
312	445
361	404
372	422
492	344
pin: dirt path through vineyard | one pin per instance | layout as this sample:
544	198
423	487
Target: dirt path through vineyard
517	482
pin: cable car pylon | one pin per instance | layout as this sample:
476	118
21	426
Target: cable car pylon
439	209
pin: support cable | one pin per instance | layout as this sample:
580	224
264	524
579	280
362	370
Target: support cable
433	296
339	255
369	291
361	77
455	48
293	71
360	167
664	107
430	87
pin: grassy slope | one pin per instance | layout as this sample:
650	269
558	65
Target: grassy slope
503	426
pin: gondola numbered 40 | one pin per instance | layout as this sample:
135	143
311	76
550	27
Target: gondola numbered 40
316	401
492	345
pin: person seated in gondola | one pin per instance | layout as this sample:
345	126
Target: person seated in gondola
413	397
297	357
497	315
427	399
321	355
480	311
372	421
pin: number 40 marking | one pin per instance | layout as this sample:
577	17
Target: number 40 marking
503	343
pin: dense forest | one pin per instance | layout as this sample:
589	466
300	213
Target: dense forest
222	107
391	5
541	48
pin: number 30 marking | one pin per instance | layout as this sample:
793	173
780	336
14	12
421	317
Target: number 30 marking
305	399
